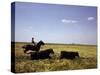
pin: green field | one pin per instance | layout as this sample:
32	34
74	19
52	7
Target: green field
87	60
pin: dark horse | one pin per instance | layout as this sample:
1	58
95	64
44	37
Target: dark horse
33	48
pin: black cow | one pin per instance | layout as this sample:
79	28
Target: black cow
69	55
33	48
42	54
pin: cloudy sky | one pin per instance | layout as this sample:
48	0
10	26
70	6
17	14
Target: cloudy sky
55	23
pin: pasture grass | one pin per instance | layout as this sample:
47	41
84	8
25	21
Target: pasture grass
87	60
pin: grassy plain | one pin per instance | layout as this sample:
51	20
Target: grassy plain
87	60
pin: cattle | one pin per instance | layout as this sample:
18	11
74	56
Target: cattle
41	54
69	55
33	47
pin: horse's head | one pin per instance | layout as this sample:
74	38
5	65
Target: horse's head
41	42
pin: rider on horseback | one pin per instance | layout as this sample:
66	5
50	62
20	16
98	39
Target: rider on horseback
33	42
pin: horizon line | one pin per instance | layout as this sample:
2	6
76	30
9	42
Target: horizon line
55	43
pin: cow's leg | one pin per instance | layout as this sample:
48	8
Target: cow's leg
49	57
61	57
78	56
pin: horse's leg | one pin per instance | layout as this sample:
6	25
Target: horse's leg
25	50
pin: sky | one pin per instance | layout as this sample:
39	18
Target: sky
54	23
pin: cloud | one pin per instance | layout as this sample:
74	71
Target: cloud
90	18
25	30
30	27
68	21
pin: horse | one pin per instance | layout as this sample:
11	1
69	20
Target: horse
33	48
